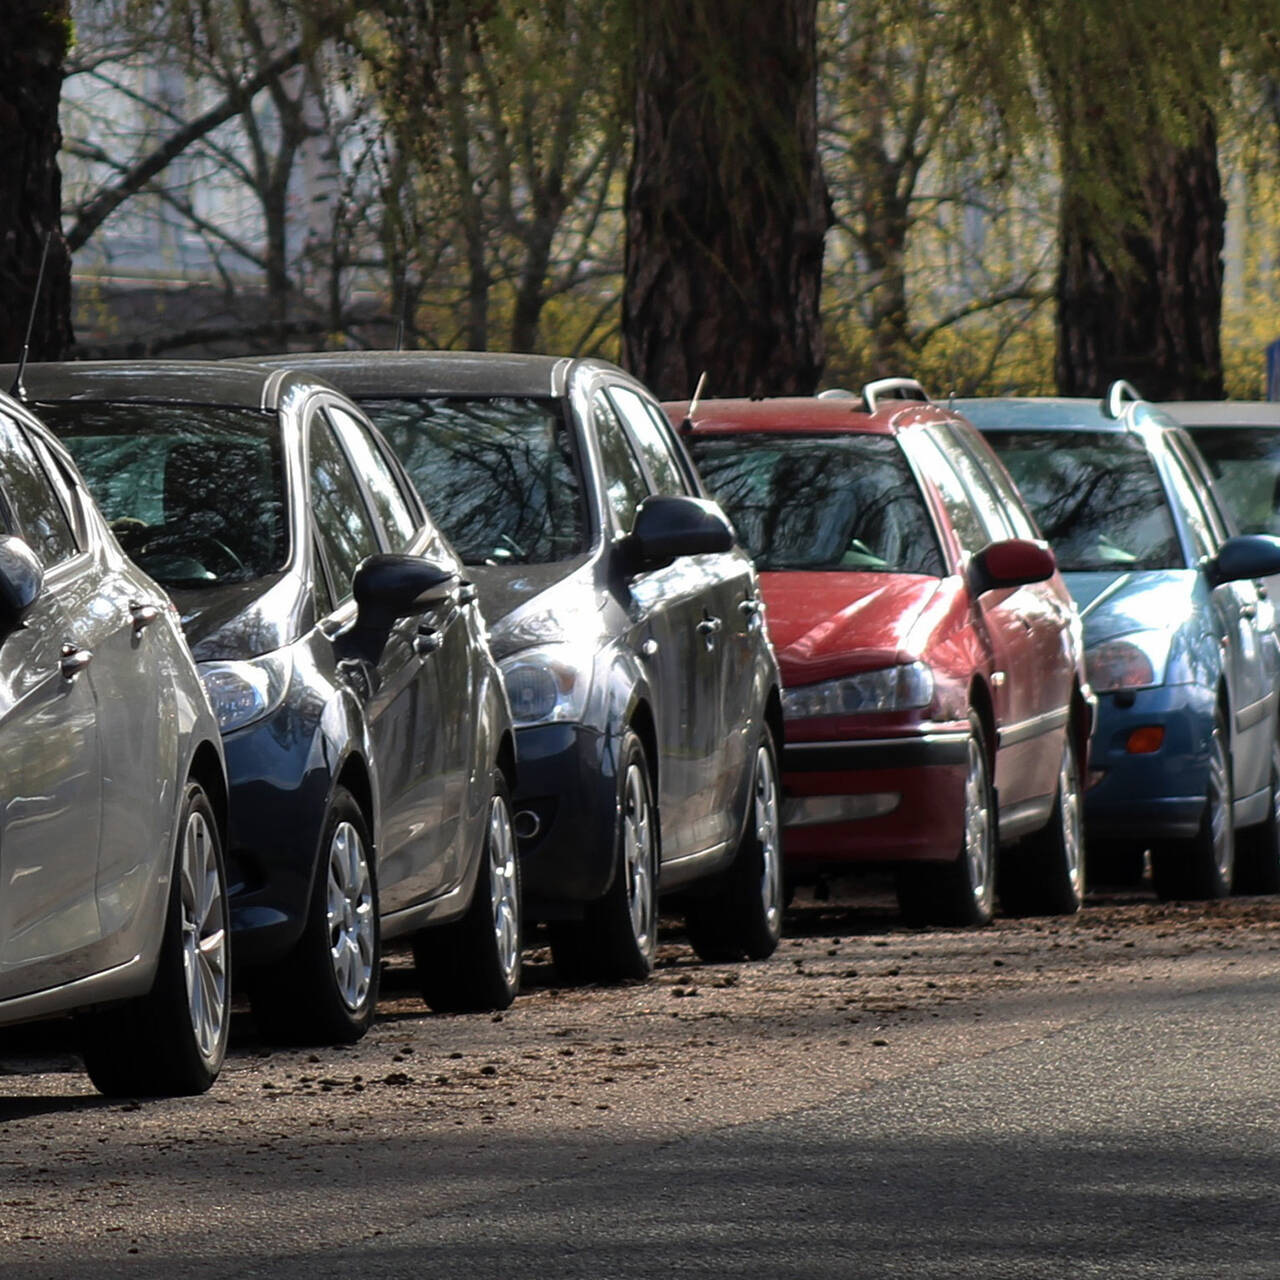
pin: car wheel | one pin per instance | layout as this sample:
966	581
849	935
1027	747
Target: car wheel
173	1040
744	919
962	891
325	990
474	963
1258	848
1045	873
618	937
1202	867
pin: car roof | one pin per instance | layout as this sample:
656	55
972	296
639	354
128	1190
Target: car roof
1059	413
233	384
1225	413
367	374
801	415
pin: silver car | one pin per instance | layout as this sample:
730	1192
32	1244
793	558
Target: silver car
113	900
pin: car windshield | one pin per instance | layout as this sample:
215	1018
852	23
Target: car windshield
844	502
497	474
194	493
1245	462
1096	496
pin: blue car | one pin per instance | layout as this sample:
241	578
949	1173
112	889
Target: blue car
1180	641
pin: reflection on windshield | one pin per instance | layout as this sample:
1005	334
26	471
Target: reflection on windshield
1245	462
194	493
821	502
1096	497
497	474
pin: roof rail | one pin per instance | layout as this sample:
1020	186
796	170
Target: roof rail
892	389
1117	393
837	393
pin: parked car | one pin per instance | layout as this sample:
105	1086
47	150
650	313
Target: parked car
1180	645
113	800
366	729
628	625
935	703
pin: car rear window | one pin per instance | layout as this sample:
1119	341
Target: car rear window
844	502
498	474
194	493
1096	496
1245	462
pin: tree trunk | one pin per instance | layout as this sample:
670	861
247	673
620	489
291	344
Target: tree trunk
34	35
1151	312
726	204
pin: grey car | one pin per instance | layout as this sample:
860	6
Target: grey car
113	792
629	626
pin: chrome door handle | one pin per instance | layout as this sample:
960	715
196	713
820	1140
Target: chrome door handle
428	640
1249	610
750	607
649	649
143	614
74	660
466	592
710	627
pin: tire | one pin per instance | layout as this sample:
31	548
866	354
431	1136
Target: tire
617	939
744	919
475	963
1046	874
325	991
1258	848
173	1040
962	891
1202	867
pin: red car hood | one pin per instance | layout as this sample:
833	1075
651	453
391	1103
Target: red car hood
825	625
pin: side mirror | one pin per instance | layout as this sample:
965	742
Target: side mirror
387	587
1250	555
1014	562
673	526
21	579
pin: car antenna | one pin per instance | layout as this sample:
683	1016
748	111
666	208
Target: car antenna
18	391
404	307
687	424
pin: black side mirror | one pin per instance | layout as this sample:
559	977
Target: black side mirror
21	579
1250	555
672	526
387	587
1012	562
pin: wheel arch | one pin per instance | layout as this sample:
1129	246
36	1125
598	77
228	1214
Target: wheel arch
506	758
207	769
981	705
774	719
355	777
642	723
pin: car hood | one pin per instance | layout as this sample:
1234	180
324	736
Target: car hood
243	619
1114	604
827	624
525	605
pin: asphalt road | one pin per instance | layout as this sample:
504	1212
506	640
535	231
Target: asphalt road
1058	1099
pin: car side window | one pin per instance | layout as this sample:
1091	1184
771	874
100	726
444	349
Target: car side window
1202	484
625	485
970	530
986	501
1185	494
655	450
1016	515
344	528
38	509
399	521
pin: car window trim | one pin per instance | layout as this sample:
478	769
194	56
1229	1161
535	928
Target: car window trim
1168	460
950	437
654	487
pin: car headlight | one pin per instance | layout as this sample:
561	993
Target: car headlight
548	685
1134	661
898	688
242	692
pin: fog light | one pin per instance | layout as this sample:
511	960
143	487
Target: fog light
1142	742
809	811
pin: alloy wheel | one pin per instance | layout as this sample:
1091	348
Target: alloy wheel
352	923
503	888
1220	809
637	845
204	936
767	826
1072	820
977	827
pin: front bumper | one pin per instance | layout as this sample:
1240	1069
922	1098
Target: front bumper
567	778
1158	795
926	772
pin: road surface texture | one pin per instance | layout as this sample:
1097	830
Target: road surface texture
1056	1098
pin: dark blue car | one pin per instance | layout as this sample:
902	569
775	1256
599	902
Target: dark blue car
1180	641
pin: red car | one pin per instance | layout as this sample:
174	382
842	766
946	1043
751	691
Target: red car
937	712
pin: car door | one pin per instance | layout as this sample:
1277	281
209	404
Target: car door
1002	627
400	691
668	629
50	752
1236	607
729	617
